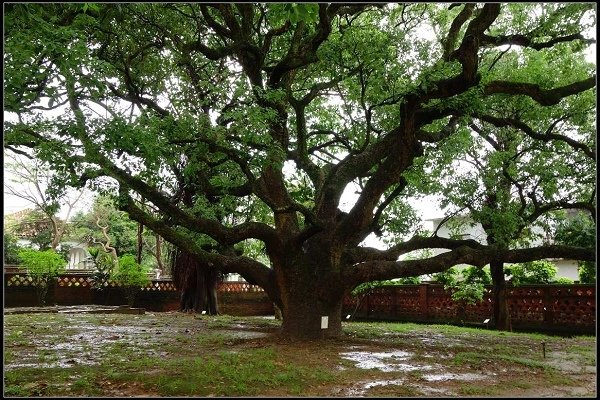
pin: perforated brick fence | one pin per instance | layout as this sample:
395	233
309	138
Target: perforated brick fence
559	308
556	308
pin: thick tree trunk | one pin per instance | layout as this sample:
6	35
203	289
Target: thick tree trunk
212	280
305	317
501	316
311	297
200	291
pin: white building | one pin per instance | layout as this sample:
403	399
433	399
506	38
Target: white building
464	228
79	257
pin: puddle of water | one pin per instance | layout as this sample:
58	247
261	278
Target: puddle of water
452	376
437	355
55	364
432	391
384	361
361	388
396	382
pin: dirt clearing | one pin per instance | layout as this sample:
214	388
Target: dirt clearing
177	354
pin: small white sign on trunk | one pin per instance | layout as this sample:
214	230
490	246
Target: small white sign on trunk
324	322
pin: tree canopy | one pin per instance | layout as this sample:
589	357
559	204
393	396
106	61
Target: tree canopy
247	122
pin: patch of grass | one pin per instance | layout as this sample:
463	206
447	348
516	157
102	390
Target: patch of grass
523	361
16	391
9	356
264	322
215	361
587	354
415	375
227	374
32	382
521	383
471	389
558	379
217	321
16	338
485	356
363	329
208	338
82	385
47	355
469	358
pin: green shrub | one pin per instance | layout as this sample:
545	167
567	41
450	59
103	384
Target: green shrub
43	267
474	274
587	271
447	277
409	280
468	292
366	287
471	288
130	276
534	272
563	281
579	231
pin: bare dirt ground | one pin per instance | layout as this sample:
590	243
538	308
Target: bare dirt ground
371	360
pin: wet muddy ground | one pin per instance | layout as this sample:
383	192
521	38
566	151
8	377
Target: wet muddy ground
78	353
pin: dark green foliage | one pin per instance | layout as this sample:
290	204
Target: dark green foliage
64	251
471	288
470	293
36	227
410	280
365	288
563	281
122	230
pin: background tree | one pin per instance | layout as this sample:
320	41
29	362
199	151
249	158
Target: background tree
198	284
496	168
35	227
281	108
30	179
103	224
10	248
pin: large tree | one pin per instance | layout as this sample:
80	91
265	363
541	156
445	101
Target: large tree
249	121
